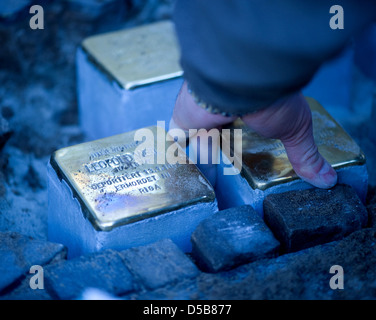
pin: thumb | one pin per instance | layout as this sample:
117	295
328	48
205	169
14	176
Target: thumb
290	120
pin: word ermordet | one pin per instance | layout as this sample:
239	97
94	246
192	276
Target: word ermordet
336	281
337	20
37	20
204	146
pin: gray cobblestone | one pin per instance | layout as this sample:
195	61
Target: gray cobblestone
159	264
104	270
18	253
232	237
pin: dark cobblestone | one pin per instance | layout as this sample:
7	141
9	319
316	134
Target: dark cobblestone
301	219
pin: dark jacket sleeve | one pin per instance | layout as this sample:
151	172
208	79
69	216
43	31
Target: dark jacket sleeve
242	55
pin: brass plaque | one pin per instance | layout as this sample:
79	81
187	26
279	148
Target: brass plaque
117	183
138	56
265	163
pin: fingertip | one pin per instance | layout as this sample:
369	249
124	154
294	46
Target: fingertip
326	178
329	179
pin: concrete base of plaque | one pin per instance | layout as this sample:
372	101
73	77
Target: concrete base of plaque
102	195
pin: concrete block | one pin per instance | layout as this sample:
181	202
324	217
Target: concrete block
18	253
128	79
232	237
104	270
302	219
159	264
105	195
265	168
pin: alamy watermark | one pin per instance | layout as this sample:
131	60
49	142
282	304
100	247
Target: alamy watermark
205	147
337	21
336	281
37	280
37	20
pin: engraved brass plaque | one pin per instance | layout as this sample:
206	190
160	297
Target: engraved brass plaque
117	183
265	163
138	56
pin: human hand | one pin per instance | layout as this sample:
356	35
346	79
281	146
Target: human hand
289	120
188	115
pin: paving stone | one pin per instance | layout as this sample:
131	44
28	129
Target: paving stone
159	264
301	275
18	253
25	292
231	237
302	219
104	270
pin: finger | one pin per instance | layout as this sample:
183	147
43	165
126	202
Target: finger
290	120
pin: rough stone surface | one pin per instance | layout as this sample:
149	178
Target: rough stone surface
18	253
302	219
24	292
299	275
231	237
305	274
159	264
104	270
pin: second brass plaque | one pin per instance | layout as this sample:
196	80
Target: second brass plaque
265	162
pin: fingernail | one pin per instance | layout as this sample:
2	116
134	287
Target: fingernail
327	176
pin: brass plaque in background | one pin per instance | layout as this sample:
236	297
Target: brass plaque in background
137	56
265	163
115	187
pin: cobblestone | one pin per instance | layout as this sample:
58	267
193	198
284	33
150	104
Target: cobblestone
18	253
301	219
159	264
104	270
232	237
